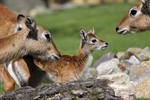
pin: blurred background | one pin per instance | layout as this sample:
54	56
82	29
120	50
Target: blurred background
65	18
34	7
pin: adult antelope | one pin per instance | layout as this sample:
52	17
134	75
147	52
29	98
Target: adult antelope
31	39
68	68
137	19
36	42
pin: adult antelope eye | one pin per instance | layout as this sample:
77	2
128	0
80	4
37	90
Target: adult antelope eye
47	36
19	28
133	12
94	40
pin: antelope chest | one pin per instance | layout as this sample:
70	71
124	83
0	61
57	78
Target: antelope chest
87	64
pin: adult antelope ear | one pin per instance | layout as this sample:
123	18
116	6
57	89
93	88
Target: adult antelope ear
30	23
83	34
20	22
92	31
20	17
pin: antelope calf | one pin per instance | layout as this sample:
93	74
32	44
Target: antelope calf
137	19
68	68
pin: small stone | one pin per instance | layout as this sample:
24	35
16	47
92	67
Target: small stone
143	89
104	58
78	92
101	96
145	54
108	67
133	60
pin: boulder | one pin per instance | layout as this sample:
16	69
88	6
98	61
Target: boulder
91	89
128	53
138	72
122	85
89	73
133	60
134	51
121	55
144	54
104	58
108	67
143	88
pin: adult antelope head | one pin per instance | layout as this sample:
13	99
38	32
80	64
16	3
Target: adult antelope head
30	40
137	19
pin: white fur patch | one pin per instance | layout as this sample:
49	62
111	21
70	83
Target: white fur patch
143	1
124	30
51	56
18	26
11	72
20	74
51	77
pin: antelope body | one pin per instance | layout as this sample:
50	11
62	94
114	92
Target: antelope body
68	68
8	21
137	19
21	36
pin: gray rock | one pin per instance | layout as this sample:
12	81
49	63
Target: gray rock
133	60
144	54
134	51
122	85
108	67
89	73
121	55
128	53
143	88
138	72
104	58
77	90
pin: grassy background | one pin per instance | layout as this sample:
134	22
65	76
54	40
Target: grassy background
65	27
66	24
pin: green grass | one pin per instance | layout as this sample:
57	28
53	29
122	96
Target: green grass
66	24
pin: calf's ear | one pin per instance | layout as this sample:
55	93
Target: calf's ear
83	35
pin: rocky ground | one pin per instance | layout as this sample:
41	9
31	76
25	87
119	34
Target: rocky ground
129	72
91	89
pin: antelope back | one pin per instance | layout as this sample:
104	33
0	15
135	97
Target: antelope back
8	22
137	19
